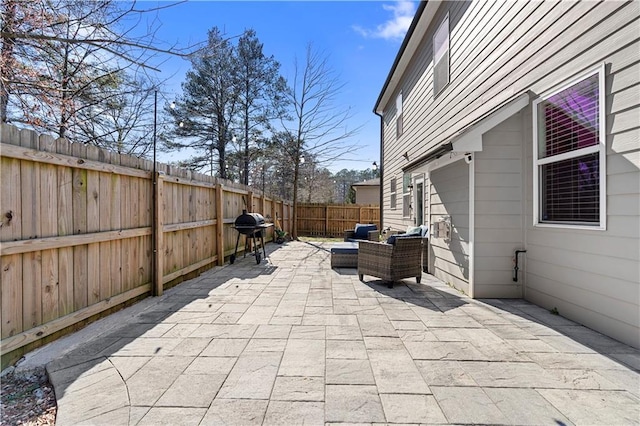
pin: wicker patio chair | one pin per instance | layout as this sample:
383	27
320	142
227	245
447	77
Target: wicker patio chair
391	262
371	232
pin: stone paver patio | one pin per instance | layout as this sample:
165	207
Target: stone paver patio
292	341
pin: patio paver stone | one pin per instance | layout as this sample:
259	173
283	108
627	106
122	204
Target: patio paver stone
292	341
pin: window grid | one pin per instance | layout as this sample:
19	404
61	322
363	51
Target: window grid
570	152
392	189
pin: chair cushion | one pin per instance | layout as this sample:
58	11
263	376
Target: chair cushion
392	239
413	230
344	248
362	231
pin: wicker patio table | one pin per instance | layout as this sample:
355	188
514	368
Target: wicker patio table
344	255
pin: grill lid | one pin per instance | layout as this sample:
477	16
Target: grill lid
249	219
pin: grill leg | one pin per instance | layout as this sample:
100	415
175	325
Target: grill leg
263	249
256	249
233	257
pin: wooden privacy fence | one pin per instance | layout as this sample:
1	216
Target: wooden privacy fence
331	220
83	230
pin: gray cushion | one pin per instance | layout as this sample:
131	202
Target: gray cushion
392	239
345	248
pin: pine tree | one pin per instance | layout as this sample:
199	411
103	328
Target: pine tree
205	113
260	93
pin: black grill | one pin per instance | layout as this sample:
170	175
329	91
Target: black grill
251	225
247	223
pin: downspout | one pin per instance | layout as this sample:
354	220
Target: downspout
381	168
469	159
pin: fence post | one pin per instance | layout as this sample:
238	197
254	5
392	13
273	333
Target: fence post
158	237
219	225
273	214
326	220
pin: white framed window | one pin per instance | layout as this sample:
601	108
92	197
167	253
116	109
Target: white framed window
569	187
441	56
392	190
407	186
399	127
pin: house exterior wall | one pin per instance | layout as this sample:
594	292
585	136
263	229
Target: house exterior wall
497	51
367	194
499	206
593	276
449	200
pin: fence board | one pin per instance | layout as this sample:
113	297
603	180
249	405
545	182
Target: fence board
106	206
31	262
329	220
49	228
50	288
79	236
11	272
116	246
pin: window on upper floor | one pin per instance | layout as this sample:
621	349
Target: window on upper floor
392	190
569	154
407	186
399	115
441	56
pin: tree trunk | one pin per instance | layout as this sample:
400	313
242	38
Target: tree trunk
294	225
6	53
246	145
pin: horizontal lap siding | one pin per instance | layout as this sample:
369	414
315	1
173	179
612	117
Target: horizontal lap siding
593	277
499	50
449	196
518	54
498	209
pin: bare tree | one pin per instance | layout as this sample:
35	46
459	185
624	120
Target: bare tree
315	123
64	62
122	121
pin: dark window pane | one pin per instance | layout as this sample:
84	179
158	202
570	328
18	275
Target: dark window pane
406	205
570	190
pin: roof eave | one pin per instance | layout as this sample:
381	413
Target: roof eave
418	28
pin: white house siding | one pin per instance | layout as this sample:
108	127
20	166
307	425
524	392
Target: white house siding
592	276
492	61
497	51
392	169
366	194
449	197
499	208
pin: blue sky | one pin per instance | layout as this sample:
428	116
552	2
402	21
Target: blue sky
361	39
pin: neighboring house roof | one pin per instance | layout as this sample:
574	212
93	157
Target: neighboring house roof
370	182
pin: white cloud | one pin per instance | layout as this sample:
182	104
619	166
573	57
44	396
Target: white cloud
396	27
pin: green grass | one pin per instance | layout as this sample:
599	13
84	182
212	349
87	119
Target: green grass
320	239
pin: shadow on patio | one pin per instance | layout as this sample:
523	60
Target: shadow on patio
292	341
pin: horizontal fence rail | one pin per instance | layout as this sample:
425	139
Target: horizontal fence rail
84	230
